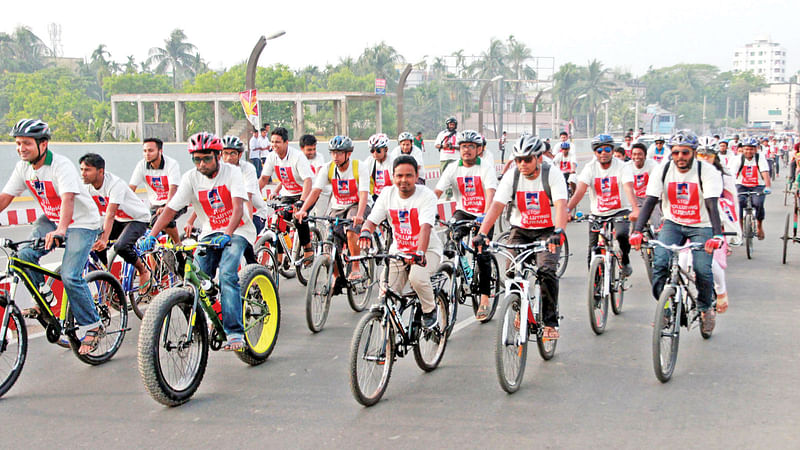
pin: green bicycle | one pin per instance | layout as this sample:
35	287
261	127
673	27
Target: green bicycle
174	338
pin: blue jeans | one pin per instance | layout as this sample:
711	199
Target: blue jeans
76	255
758	200
257	162
674	234
227	260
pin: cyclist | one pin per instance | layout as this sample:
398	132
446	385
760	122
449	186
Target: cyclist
406	146
126	216
379	164
217	193
69	213
642	168
607	177
689	190
419	142
734	145
486	155
474	185
620	154
411	210
349	181
566	162
627	144
295	178
160	175
724	155
656	152
537	194
308	145
752	175
446	143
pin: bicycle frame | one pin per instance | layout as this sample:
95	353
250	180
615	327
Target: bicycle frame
679	279
601	250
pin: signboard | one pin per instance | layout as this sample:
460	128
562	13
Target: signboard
250	104
380	86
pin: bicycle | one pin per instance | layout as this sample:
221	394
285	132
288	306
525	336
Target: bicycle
749	221
322	286
563	257
282	232
465	276
516	328
648	233
791	222
55	313
174	336
391	329
607	282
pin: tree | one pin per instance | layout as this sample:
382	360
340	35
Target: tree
130	65
177	56
517	56
100	64
380	60
566	85
596	86
22	51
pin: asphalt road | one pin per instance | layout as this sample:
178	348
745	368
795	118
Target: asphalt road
736	390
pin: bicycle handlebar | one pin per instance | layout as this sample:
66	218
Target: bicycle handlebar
537	246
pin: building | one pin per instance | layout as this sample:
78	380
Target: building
659	121
762	57
775	107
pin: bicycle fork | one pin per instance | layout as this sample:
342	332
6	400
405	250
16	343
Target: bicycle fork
519	287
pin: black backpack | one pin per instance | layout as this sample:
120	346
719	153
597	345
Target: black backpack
545	174
699	173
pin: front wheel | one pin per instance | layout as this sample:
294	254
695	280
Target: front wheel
359	292
511	349
666	334
617	287
112	307
266	257
371	358
261	314
172	361
786	237
432	342
318	293
13	346
494	286
597	300
304	264
563	260
748	235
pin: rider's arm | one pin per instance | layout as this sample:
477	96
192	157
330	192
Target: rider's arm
108	222
628	188
65	215
167	214
236	217
489	199
644	212
444	181
362	204
491	217
561	214
368	227
5	200
310	200
713	213
424	237
306	189
577	196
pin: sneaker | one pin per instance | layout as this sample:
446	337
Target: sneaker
627	270
708	320
429	319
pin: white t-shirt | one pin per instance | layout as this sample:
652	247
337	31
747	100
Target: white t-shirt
532	207
683	202
729	208
449	150
265	144
566	164
488	159
250	178
291	171
255	147
658	157
628	148
470	185
114	190
317	164
380	174
407	217
606	186
641	176
726	159
157	181
56	176
750	175
212	200
416	153
344	186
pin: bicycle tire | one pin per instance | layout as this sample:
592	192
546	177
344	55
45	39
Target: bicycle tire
168	393
563	260
647	257
748	235
304	271
318	293
265	256
109	301
666	319
617	288
597	302
261	314
285	267
19	343
163	276
436	336
496	288
359	293
379	349
786	237
510	358
450	290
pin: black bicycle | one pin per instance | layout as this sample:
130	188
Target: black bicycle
749	229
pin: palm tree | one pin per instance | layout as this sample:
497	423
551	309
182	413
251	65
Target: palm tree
566	83
176	56
518	54
382	60
22	51
130	65
597	86
461	63
491	64
101	66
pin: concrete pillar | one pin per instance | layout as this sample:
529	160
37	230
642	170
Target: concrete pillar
114	117
299	128
401	84
379	115
217	119
337	118
178	121
156	113
345	124
140	113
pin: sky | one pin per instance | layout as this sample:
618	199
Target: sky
632	35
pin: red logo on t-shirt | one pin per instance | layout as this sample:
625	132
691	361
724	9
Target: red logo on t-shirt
218	206
750	176
286	176
607	192
48	199
640	184
159	184
345	191
472	196
658	155
534	207
684	202
566	166
382	179
102	205
405	224
449	146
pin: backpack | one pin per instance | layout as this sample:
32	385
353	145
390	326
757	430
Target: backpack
545	181
332	168
741	165
699	173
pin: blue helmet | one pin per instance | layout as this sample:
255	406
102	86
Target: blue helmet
565	145
685	138
340	143
749	142
602	140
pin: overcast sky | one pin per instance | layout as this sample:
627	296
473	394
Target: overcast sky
620	33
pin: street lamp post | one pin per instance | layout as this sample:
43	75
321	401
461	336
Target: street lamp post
535	103
572	113
605	115
252	62
484	90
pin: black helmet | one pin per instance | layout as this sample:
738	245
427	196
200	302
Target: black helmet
602	140
469	136
450	120
528	145
340	143
33	128
232	142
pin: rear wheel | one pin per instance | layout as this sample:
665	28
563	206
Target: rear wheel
617	288
432	342
318	293
371	358
112	308
786	237
261	314
13	346
304	268
666	334
598	303
563	260
359	293
510	349
266	257
748	235
163	268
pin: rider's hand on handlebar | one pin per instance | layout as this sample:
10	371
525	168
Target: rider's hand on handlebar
53	239
555	240
767	191
636	239
364	240
187	230
357	220
100	245
147	243
714	243
300	215
220	241
480	240
418	258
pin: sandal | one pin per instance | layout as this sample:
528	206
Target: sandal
483	314
355	275
91	340
234	344
31	313
143	288
722	303
550	334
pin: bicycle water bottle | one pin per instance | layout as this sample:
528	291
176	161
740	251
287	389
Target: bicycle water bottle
467	269
209	291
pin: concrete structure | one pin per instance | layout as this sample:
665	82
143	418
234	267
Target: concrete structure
762	57
659	120
340	101
775	107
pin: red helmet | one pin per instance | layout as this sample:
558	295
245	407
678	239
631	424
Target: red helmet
204	141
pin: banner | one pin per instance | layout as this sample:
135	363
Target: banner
250	104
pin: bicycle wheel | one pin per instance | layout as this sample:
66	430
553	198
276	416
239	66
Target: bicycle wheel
786	237
318	293
563	259
371	358
666	335
172	364
261	314
285	267
496	290
266	257
359	292
748	235
509	352
112	307
13	346
304	268
647	257
432	342
449	289
617	287
163	275
598	303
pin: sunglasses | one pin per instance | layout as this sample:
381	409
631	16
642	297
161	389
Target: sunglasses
525	159
681	152
606	149
376	150
200	159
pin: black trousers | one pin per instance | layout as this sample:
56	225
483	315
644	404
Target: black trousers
621	231
484	260
547	264
125	234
